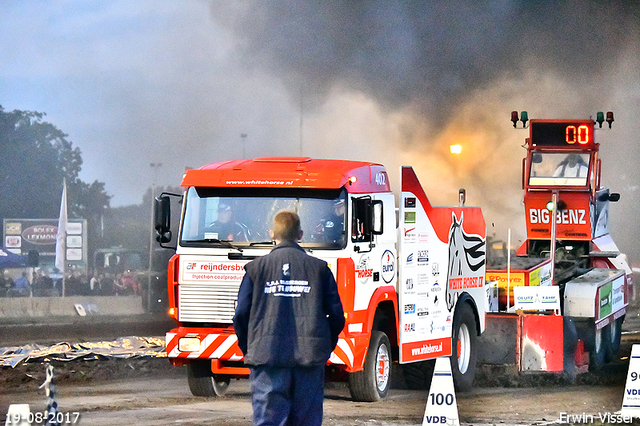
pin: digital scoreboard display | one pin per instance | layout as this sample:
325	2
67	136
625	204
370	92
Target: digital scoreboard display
573	134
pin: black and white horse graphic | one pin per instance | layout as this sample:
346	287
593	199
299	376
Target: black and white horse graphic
466	256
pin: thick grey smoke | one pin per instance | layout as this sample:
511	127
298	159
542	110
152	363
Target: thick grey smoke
427	54
440	72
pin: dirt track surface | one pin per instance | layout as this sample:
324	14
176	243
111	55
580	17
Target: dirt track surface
148	391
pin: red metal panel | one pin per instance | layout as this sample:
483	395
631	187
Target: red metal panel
541	343
573	223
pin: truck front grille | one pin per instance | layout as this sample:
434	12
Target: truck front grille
207	302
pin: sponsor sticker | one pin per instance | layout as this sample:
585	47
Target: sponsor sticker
203	270
388	266
409	217
410	308
410	202
364	270
410	261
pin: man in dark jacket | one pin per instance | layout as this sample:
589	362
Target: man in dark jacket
288	319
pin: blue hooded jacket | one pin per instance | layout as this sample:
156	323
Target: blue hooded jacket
289	312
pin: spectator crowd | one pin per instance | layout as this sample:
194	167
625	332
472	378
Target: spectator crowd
41	284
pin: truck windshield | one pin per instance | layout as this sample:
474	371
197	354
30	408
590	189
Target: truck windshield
559	169
244	216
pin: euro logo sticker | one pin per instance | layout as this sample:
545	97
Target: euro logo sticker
388	262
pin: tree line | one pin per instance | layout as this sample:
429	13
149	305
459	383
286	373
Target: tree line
35	158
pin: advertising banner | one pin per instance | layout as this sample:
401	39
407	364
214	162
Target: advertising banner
24	235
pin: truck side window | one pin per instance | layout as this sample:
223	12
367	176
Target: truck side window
360	226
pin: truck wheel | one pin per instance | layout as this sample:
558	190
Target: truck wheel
372	383
202	382
417	375
598	348
464	348
613	342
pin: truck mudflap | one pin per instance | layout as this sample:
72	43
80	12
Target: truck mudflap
343	354
217	345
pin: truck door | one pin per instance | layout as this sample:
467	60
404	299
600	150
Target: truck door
373	254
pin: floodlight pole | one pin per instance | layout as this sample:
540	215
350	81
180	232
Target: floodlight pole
155	167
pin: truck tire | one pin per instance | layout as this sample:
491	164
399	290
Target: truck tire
417	375
613	342
202	382
372	383
464	348
598	347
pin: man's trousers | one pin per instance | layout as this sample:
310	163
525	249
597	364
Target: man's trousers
287	396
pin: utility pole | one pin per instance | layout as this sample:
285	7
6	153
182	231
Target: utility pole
155	167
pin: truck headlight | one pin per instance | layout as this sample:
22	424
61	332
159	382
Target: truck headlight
189	344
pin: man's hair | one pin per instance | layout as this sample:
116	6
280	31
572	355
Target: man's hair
286	226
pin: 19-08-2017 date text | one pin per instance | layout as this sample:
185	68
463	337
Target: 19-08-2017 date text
43	417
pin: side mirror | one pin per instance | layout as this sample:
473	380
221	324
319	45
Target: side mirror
606	196
162	218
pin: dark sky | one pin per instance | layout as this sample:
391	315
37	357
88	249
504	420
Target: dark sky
395	82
